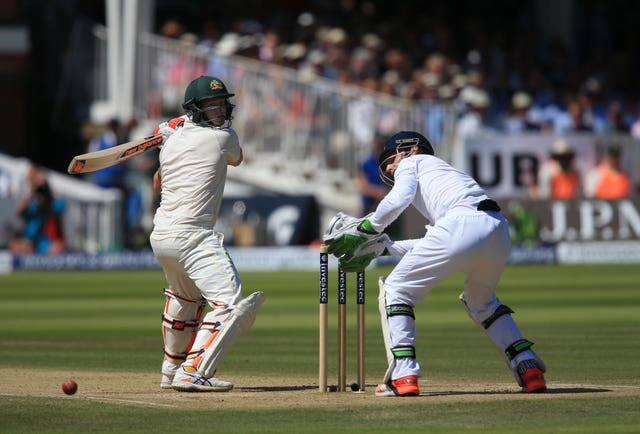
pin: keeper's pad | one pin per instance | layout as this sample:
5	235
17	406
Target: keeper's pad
386	334
393	353
180	321
240	321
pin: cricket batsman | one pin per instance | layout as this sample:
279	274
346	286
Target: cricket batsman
196	151
466	233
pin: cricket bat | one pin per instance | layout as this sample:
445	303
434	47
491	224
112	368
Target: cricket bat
93	161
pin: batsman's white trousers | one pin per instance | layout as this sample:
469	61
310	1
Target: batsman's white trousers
197	265
475	243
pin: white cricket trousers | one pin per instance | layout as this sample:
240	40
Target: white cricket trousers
197	265
475	243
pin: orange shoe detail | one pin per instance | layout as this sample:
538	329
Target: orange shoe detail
533	380
407	386
190	370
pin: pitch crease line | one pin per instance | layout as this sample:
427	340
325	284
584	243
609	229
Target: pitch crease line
130	401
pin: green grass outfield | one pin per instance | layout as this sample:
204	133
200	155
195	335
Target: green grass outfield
585	321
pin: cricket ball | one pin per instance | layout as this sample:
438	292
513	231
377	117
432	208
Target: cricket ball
69	387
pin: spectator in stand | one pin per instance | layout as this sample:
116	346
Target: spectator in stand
368	181
473	121
183	67
116	176
399	71
518	120
557	178
594	107
41	214
608	181
615	119
268	50
573	119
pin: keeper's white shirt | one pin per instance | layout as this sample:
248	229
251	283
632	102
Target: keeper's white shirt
432	186
193	172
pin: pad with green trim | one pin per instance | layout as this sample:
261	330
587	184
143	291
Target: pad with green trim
403	352
400	309
517	347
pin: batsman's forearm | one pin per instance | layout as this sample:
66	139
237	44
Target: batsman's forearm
157	182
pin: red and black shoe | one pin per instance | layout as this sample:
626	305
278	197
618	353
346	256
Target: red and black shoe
532	376
404	386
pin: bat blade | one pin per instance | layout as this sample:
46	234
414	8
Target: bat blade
93	161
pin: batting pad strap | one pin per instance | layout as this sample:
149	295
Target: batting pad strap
400	309
178	324
517	347
501	310
403	352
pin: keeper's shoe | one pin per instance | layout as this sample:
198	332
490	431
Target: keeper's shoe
532	377
187	379
404	386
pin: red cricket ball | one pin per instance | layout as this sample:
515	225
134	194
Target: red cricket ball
69	387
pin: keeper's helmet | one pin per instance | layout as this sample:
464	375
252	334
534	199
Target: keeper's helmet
401	143
202	89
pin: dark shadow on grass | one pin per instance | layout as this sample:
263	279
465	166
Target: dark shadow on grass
577	390
289	388
371	388
275	388
551	390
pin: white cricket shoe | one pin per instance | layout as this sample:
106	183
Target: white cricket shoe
187	379
168	372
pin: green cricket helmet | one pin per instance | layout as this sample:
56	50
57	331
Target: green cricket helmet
202	89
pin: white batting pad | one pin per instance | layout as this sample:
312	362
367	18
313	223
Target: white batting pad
239	322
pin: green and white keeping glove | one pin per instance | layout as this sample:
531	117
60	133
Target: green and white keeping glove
345	234
364	254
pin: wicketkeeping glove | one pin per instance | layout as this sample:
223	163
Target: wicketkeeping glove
345	234
364	254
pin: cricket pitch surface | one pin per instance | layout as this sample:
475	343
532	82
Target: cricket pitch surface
143	390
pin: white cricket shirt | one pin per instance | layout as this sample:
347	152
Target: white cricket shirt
193	172
432	186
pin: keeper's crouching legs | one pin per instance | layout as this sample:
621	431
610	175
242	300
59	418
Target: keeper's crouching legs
180	320
528	369
399	333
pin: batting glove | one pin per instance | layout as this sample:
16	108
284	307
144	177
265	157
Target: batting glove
166	129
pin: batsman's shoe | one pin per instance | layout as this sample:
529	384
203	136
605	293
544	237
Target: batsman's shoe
168	373
532	376
404	386
187	379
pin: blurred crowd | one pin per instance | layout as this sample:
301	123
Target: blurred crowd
511	79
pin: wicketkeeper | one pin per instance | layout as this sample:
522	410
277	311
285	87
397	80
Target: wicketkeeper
466	233
194	157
